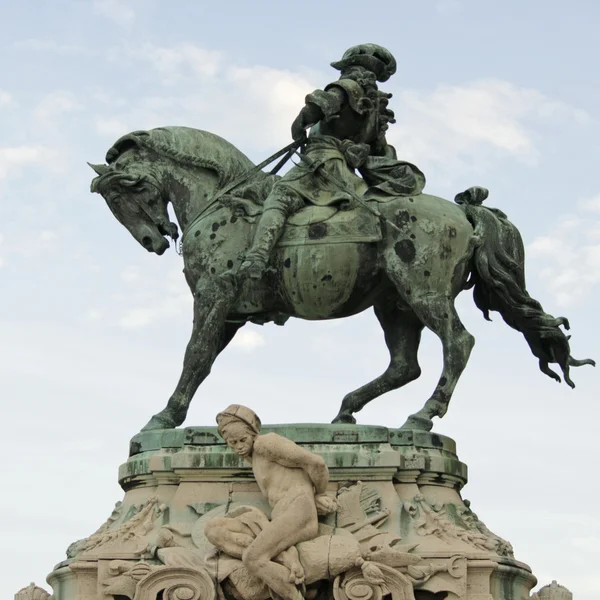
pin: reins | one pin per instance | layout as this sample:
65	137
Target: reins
286	153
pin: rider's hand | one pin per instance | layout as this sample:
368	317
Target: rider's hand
299	126
298	131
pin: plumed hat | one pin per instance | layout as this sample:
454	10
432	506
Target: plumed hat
373	57
236	413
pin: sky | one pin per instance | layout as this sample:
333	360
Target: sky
93	328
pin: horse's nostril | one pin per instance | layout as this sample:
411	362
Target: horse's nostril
147	241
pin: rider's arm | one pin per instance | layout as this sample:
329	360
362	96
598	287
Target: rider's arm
285	452
319	105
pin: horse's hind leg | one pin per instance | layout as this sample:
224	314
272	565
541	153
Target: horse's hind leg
402	332
210	335
439	315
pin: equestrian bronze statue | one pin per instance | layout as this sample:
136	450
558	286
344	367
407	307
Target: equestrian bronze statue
347	228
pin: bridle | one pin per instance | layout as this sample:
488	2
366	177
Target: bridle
159	223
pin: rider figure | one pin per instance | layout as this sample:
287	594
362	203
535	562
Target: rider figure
347	121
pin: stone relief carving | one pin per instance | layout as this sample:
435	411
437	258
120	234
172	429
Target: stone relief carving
176	584
77	547
350	557
553	591
451	522
307	544
472	522
129	537
32	592
144	581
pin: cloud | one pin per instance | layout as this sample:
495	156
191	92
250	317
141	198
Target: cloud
46	46
448	7
110	127
130	273
248	340
454	128
120	12
592	204
213	87
6	99
273	98
54	105
587	544
175	300
169	308
461	127
48	236
14	158
569	256
174	64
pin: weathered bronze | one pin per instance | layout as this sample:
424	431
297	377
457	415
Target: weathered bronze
307	245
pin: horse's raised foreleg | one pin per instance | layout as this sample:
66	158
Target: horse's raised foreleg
439	315
210	335
402	332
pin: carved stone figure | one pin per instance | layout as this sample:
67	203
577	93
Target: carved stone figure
295	484
553	591
371	241
292	548
32	592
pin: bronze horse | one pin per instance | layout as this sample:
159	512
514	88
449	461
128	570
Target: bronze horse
427	252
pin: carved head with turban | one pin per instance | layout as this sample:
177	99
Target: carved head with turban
239	426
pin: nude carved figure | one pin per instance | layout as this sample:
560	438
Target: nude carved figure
294	481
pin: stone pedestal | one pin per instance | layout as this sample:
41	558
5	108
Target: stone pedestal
404	484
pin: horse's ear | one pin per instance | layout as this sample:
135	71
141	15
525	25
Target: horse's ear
100	169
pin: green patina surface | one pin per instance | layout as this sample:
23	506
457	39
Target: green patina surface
301	433
354	447
356	232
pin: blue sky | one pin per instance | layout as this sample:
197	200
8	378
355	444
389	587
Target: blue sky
499	94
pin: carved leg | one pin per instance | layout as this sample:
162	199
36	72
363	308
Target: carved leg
210	335
402	332
278	206
233	537
441	317
296	523
290	559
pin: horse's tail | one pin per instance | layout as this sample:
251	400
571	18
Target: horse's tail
498	281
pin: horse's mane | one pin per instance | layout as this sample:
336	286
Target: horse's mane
187	146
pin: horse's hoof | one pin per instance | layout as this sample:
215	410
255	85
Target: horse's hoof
159	422
417	423
345	418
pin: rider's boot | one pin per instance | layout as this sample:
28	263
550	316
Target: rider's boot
268	232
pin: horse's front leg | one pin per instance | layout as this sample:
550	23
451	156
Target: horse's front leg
210	335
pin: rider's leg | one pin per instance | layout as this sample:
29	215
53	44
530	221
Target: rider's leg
279	205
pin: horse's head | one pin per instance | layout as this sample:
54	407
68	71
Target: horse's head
135	198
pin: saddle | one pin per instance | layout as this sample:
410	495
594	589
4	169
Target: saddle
330	225
318	224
